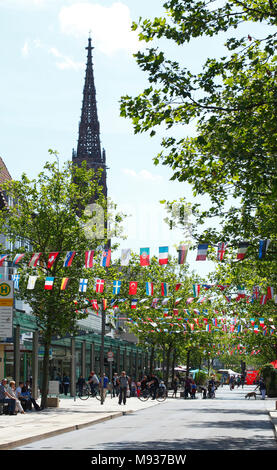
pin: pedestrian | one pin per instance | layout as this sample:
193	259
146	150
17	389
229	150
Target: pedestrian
123	382
232	382
65	384
115	390
262	388
187	387
105	384
193	389
174	384
133	388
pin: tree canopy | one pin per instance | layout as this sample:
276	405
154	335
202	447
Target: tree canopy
231	101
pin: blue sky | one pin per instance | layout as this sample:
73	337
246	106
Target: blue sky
43	61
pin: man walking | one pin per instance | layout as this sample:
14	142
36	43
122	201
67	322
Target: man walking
123	382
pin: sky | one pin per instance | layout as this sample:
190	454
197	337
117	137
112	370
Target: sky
43	60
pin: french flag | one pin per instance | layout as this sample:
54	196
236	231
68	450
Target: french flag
49	281
202	252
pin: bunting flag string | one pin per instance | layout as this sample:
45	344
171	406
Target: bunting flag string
163	255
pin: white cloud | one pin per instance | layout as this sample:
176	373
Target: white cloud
110	26
62	61
144	175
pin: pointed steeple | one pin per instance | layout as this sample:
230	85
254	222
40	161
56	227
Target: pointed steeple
89	146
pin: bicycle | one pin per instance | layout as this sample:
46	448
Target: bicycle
86	392
147	393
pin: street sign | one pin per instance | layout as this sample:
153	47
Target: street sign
6	309
110	354
110	359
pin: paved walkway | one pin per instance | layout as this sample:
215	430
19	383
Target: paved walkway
70	415
20	430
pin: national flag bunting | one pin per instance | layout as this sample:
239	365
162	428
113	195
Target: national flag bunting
34	260
99	286
202	252
270	293
163	254
221	248
49	281
89	259
64	283
116	287
15	279
134	303
31	282
105	303
196	289
83	284
133	288
263	246
164	289
125	256
242	249
144	256
182	254
69	258
263	299
106	258
51	259
149	288
2	259
18	257
95	305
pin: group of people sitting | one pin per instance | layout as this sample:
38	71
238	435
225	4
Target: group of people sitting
19	399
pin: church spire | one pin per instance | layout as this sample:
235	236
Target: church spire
89	147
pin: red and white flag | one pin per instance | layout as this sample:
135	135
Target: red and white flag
133	288
99	285
34	260
270	293
51	258
263	299
89	259
221	248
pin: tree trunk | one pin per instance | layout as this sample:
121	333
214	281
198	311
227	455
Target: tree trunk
45	374
167	364
152	359
188	363
173	364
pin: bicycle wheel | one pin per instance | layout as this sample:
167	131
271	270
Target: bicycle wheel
98	395
144	395
161	395
84	393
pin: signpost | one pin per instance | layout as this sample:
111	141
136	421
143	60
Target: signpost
6	309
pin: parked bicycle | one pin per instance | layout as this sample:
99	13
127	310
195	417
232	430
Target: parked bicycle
85	392
147	393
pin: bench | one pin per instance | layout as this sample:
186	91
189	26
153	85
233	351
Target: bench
3	408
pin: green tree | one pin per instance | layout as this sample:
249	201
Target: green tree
44	217
232	102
